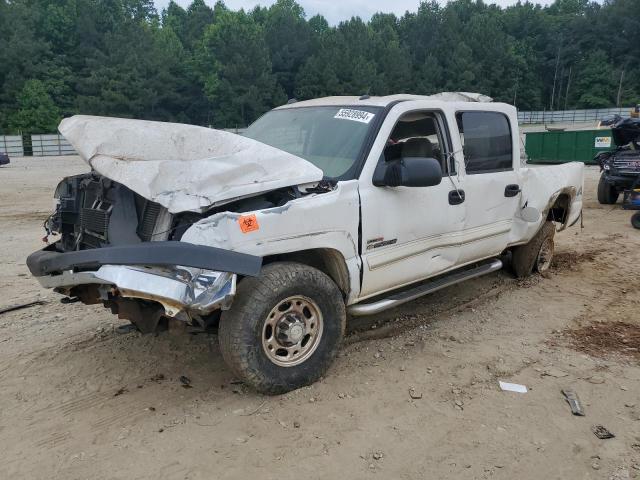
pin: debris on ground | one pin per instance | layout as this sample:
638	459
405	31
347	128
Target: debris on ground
120	391
601	432
554	372
512	387
595	380
185	381
125	329
574	402
414	394
602	339
19	306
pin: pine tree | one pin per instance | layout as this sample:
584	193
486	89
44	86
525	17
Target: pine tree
238	72
36	111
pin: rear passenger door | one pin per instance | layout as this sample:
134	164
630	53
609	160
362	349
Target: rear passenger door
491	182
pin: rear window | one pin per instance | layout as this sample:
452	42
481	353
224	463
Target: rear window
486	141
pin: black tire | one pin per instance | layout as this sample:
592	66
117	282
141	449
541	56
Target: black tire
607	194
535	255
242	328
635	220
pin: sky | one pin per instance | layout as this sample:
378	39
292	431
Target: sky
336	10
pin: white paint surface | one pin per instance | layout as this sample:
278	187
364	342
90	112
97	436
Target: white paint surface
183	167
187	168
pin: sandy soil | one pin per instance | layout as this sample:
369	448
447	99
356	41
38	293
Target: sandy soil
414	393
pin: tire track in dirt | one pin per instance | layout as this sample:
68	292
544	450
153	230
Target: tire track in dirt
53	439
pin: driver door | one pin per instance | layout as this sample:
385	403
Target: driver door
410	233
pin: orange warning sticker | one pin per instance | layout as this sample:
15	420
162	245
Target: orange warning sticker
248	223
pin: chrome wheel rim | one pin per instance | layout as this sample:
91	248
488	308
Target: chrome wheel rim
292	331
545	255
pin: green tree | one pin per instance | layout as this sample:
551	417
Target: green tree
596	82
288	37
211	65
36	111
238	73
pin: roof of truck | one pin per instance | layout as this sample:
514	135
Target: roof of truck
388	99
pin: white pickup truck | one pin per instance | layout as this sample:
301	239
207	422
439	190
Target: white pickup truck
324	208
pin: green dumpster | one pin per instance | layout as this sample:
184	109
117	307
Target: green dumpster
568	146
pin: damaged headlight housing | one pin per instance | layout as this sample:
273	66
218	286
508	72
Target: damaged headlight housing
208	289
201	291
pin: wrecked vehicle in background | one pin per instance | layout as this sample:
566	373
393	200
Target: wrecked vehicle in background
326	208
620	167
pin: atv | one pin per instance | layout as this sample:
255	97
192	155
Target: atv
621	167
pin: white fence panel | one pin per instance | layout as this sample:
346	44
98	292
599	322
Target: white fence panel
49	145
11	145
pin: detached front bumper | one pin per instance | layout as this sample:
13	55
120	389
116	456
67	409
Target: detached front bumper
182	277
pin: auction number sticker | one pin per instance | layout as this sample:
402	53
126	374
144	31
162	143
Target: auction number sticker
602	142
355	115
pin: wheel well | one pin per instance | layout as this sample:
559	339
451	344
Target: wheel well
327	260
559	211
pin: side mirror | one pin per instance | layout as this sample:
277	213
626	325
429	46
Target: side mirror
408	172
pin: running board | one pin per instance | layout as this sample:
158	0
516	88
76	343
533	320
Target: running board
361	309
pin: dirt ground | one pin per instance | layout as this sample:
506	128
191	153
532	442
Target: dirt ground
414	393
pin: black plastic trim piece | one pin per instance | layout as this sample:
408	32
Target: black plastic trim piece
512	190
456	197
372	135
48	261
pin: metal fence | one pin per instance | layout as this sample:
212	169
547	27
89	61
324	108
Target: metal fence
49	145
11	145
55	144
570	116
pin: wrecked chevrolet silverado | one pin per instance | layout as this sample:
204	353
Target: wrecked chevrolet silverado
323	209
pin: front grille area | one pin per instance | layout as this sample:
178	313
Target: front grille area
147	222
95	221
626	162
89	204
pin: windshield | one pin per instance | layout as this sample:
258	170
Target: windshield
329	137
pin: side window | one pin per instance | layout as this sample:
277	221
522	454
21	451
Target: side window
417	134
486	141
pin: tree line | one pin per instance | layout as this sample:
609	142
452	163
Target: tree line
214	66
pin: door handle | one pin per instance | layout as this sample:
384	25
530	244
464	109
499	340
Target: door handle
456	197
512	190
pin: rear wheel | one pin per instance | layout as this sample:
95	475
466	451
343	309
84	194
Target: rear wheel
607	194
284	327
635	220
535	255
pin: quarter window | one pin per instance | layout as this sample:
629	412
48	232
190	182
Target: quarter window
486	141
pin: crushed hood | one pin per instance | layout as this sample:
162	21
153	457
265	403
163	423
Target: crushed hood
183	167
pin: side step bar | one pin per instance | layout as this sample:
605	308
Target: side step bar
361	309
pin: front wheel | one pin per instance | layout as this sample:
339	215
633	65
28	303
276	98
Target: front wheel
535	255
607	193
284	327
635	220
